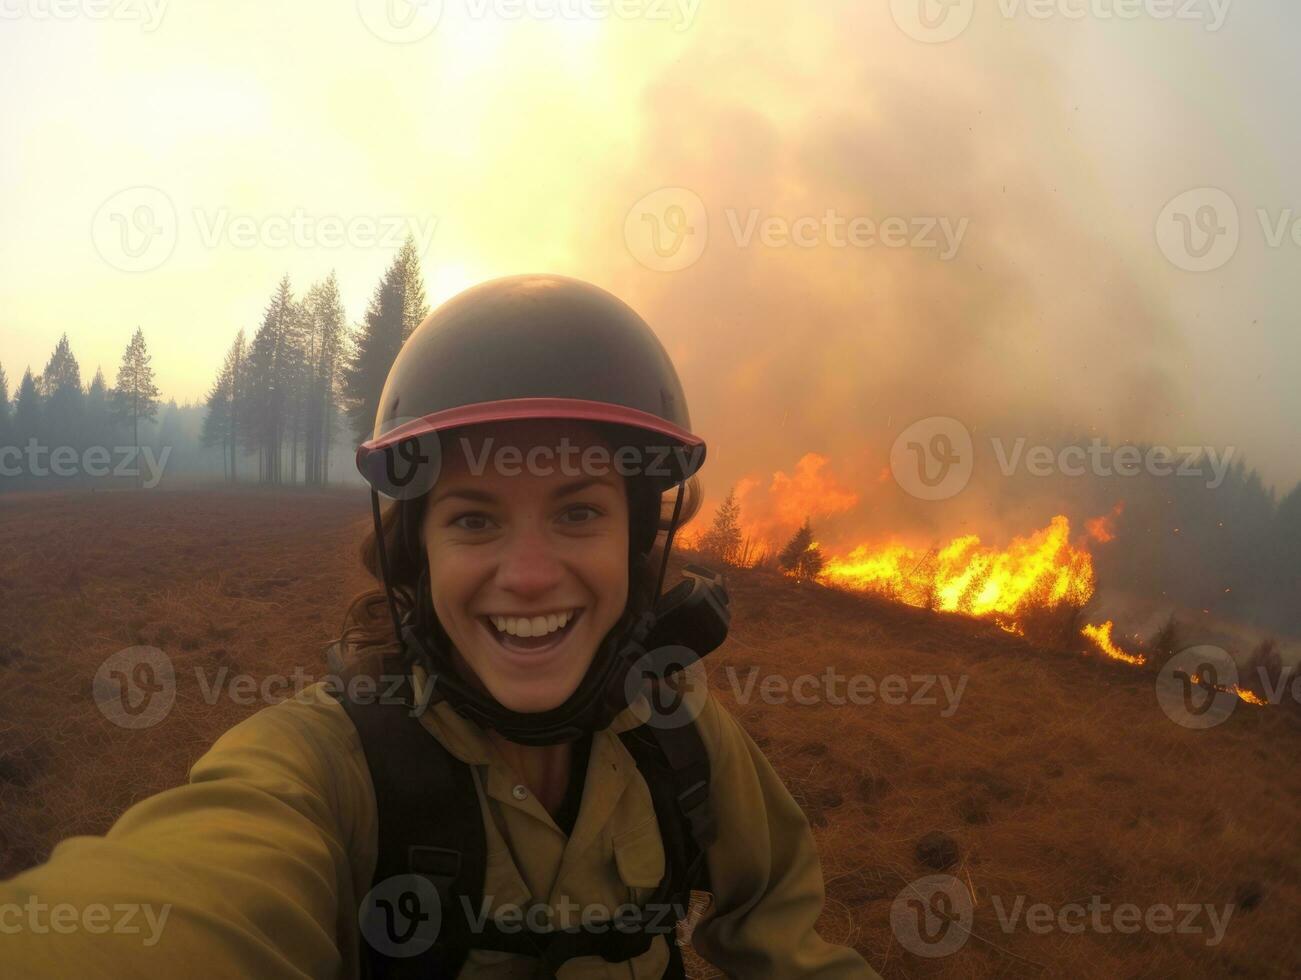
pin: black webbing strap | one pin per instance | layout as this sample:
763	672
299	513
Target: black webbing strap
430	824
425	825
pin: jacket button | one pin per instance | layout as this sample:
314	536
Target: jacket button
519	792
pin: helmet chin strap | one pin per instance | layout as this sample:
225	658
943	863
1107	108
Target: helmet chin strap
600	695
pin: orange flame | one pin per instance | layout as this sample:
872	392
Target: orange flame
1041	570
1103	529
1244	695
1101	636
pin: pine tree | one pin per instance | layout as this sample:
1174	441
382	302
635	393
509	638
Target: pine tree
98	413
27	410
395	311
64	398
4	407
414	307
225	407
135	396
723	539
171	433
269	383
300	344
217	427
326	336
801	556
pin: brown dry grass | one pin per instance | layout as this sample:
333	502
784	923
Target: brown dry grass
1058	776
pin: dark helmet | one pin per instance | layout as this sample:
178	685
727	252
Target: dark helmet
531	347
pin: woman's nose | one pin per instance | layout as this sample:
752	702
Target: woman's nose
529	565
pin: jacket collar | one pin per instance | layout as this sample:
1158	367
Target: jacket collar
470	743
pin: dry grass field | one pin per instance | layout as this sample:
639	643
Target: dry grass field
1052	776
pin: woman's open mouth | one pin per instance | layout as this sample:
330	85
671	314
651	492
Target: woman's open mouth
546	640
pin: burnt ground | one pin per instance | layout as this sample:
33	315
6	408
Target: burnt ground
1053	778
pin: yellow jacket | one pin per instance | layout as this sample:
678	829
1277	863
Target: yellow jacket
255	868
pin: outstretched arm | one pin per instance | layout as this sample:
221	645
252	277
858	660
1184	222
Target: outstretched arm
243	872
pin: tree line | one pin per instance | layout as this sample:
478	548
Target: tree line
281	399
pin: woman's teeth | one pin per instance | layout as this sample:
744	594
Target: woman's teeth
532	626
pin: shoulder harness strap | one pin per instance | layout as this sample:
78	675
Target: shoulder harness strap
430	825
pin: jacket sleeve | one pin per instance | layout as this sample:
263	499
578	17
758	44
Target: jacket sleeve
764	870
248	870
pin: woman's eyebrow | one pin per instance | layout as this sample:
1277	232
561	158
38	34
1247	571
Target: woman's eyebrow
487	497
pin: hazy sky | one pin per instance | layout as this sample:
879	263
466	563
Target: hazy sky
154	165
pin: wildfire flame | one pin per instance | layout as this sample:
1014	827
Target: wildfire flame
1250	697
1038	572
1042	570
1103	529
1101	635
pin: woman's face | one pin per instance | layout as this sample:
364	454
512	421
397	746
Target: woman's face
528	565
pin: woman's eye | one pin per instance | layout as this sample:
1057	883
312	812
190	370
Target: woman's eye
471	517
580	509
